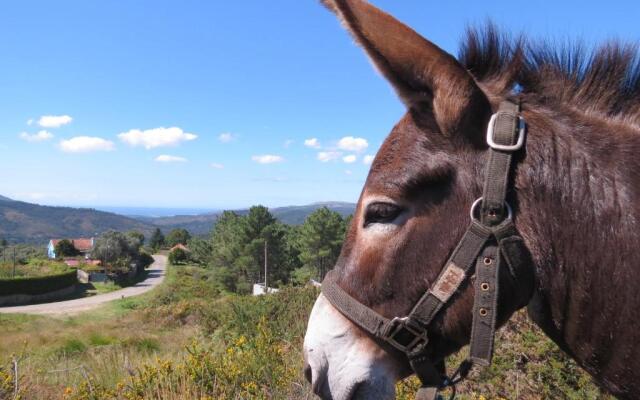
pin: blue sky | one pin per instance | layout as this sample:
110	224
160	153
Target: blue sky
243	84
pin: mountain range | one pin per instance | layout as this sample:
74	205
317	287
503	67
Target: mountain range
33	223
22	222
202	223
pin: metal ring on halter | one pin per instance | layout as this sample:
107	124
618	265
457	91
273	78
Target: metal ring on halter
479	201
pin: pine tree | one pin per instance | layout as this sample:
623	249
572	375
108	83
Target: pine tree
320	241
157	240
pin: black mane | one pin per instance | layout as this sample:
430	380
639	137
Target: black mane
603	81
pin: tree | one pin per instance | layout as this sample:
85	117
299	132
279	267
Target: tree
320	240
238	245
200	250
145	260
227	243
157	240
139	236
65	248
177	236
257	220
116	250
261	230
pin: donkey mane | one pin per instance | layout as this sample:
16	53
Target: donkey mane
602	82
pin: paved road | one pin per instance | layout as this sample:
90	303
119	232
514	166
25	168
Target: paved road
70	307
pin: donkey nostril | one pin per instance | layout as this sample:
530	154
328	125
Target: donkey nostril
308	373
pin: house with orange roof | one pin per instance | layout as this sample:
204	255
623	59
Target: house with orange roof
83	245
181	247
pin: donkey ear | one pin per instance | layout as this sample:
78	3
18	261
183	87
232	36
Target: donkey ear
425	77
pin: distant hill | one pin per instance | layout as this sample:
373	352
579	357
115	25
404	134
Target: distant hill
203	223
23	222
295	215
32	223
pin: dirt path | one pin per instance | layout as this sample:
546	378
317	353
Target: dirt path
70	307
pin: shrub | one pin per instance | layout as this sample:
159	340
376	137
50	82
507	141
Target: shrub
96	339
144	345
178	256
302	275
33	268
178	236
38	285
144	260
71	347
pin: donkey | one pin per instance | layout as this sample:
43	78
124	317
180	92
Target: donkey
574	190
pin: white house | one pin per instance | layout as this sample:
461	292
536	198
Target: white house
83	245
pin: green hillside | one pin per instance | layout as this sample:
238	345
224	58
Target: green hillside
22	222
31	223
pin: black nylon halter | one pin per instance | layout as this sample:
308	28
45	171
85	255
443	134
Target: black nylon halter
490	241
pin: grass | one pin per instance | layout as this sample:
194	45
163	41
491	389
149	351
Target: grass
184	340
103	287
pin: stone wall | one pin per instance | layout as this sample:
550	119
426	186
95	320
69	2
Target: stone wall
22	299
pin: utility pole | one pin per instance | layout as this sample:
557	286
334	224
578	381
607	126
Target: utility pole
266	264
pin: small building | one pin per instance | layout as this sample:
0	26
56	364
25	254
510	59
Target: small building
259	289
83	245
181	247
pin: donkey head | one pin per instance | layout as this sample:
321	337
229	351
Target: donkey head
412	211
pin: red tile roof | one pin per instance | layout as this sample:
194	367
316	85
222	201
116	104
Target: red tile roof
82	244
180	246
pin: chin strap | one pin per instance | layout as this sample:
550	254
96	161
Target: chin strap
490	243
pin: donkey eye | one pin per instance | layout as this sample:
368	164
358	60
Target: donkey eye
381	213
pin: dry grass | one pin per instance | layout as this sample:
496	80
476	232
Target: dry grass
183	341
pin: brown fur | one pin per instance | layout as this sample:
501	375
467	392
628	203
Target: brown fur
575	190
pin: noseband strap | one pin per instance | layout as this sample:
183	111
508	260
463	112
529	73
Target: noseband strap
490	243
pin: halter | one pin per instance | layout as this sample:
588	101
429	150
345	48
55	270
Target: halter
490	241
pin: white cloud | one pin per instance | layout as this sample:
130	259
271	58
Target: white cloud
30	121
216	165
86	144
351	158
158	137
267	159
288	143
350	143
368	159
41	136
52	121
170	159
326	156
313	143
348	172
227	137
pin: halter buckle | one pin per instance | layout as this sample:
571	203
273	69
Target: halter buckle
522	126
400	332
